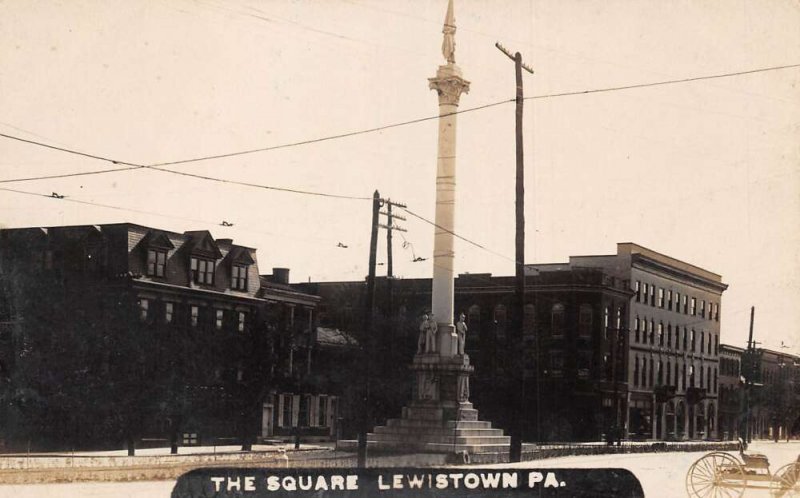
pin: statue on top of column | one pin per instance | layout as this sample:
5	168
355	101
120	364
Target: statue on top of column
449	31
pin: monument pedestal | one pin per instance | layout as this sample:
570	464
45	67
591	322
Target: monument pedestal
439	418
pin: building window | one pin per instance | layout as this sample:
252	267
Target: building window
636	371
638	289
716	311
660	333
584	364
218	319
683	377
288	401
202	271
605	322
194	315
239	277
585	320
156	262
557	319
693	341
685	339
669	300
703	308
701	377
144	308
660	374
636	328
652	295
716	345
529	319
660	297
643	383
242	320
691	375
652	331
693	309
645	292
556	364
685	304
669	335
169	312
474	318
650	377
322	412
669	373
677	302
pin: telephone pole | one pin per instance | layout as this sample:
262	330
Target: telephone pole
389	226
519	292
367	339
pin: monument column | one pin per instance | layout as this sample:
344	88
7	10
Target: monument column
449	84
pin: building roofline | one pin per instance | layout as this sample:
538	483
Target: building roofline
634	248
124	224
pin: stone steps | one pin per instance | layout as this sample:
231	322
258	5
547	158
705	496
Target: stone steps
444	431
450	424
441	439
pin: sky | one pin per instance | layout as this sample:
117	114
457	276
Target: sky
705	171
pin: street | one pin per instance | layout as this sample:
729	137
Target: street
661	474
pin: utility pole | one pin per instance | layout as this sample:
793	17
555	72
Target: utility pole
519	292
748	377
368	339
389	226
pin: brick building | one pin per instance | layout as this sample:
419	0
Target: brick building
145	334
673	325
574	357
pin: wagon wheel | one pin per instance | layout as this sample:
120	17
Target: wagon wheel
786	481
716	475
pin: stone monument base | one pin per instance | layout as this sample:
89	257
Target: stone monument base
440	418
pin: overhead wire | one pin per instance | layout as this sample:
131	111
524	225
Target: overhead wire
157	166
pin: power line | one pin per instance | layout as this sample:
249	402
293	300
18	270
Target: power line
257	185
480	246
659	83
72	151
158	166
331	137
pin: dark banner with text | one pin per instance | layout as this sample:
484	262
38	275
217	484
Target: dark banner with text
406	482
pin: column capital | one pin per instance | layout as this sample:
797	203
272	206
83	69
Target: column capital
449	84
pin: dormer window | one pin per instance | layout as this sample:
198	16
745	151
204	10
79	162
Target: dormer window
202	270
156	262
239	277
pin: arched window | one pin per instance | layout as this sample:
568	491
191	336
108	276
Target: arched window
557	319
585	320
529	319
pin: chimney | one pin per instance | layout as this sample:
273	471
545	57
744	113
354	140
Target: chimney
280	275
